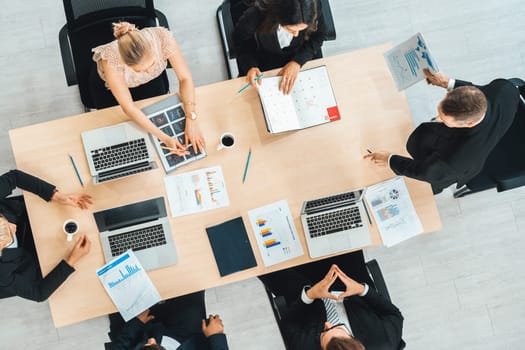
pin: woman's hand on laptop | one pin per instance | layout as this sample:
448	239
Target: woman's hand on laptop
77	200
175	147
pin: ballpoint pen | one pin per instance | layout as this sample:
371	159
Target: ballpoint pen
248	85
76	169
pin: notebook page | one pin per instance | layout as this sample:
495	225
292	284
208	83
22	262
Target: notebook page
278	108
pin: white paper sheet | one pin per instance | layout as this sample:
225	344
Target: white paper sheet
128	285
393	211
196	191
275	233
407	60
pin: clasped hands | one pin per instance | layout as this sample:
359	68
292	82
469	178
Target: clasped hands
321	288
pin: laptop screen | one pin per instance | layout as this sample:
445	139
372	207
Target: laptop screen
131	214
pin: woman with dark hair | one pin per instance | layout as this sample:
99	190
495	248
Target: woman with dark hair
278	33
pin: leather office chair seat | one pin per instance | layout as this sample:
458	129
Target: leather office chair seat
279	305
89	24
504	168
229	12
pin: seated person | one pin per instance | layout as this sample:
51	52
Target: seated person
135	58
317	318
20	272
278	33
470	122
176	323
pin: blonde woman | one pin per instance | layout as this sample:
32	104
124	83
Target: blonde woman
137	57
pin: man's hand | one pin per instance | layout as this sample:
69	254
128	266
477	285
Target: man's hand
321	288
215	326
437	79
77	200
145	317
352	287
193	135
289	75
379	158
253	73
80	249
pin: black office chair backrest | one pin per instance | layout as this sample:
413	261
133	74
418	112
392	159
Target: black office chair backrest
89	24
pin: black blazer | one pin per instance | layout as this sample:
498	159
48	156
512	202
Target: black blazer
375	321
135	334
443	156
262	50
19	271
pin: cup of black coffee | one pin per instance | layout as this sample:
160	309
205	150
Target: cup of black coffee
70	228
227	140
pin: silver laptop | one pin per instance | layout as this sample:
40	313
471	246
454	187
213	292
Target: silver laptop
142	227
336	223
117	151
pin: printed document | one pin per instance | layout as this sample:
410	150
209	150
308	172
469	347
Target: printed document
275	233
407	60
128	285
196	191
393	211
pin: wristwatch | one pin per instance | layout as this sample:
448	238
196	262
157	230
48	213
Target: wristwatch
193	115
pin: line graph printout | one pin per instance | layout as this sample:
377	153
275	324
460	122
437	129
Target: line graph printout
407	60
128	285
393	211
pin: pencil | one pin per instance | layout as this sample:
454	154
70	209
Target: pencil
248	85
247	164
76	170
367	214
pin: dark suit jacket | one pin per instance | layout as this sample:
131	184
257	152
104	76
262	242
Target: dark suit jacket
443	156
19	271
135	334
262	50
375	321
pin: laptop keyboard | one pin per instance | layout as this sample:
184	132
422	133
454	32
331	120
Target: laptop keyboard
335	221
137	240
173	122
121	154
338	198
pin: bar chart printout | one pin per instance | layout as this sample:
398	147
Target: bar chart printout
407	60
275	233
128	285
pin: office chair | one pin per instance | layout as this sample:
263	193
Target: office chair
279	305
89	25
504	168
229	12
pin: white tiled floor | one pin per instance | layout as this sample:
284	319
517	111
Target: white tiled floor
461	287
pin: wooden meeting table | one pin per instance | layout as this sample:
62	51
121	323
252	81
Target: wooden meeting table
295	166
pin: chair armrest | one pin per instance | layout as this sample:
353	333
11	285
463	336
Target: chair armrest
226	28
374	270
67	57
509	182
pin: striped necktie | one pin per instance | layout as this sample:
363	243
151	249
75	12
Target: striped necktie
331	312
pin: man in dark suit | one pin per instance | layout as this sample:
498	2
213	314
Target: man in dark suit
363	318
471	120
176	323
20	272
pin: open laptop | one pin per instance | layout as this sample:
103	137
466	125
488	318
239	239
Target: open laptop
168	115
117	151
142	227
335	223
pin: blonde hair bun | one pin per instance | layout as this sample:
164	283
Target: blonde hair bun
122	28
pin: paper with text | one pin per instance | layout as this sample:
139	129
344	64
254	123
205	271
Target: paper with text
393	211
128	285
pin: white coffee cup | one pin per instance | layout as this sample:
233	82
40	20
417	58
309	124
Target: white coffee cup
70	228
227	140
